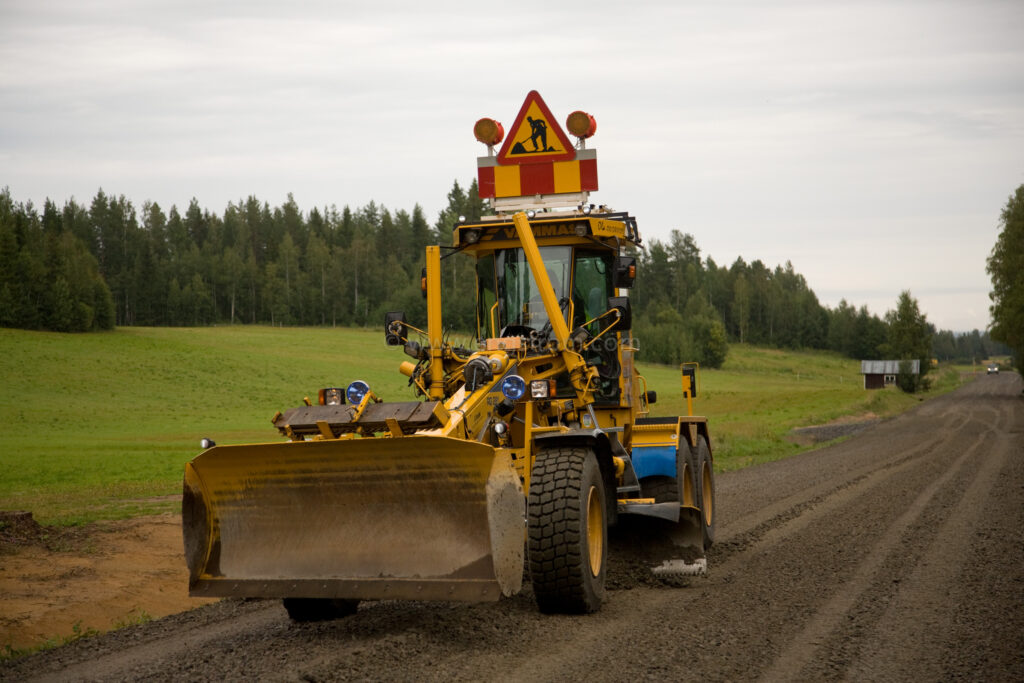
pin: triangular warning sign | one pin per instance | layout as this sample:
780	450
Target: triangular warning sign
535	136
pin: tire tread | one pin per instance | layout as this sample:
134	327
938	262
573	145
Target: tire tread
559	565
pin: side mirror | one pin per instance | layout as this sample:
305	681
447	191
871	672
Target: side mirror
625	271
395	329
622	305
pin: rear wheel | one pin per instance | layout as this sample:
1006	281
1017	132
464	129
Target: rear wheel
705	490
568	531
686	466
319	609
683	487
662	489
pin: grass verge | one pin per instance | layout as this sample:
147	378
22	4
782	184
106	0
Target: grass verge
760	395
99	426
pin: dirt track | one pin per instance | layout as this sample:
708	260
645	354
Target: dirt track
896	555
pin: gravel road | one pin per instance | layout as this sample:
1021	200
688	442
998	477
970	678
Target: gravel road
895	555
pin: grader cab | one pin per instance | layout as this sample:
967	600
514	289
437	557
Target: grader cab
520	452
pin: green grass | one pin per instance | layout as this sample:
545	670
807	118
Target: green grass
99	426
77	633
134	618
760	394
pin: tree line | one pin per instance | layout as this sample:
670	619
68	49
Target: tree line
80	268
1006	268
48	279
691	304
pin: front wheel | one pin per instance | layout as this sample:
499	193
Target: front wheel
319	609
568	531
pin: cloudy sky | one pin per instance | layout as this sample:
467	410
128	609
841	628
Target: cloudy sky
873	144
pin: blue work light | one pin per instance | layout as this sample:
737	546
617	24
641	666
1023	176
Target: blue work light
512	387
356	391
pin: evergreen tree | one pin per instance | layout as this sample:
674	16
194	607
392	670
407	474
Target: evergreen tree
59	307
909	339
318	257
196	226
419	233
288	268
103	306
8	314
741	306
174	303
232	272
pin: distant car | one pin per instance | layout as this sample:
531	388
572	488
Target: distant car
993	369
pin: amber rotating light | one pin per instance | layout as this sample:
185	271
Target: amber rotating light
489	131
581	124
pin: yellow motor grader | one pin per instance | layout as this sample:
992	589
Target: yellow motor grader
519	453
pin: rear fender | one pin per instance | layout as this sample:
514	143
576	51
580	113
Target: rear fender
655	444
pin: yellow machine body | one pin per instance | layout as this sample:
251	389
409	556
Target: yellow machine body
428	499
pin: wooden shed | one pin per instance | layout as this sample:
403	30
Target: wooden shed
881	373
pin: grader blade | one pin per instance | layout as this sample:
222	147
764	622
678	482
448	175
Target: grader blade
415	517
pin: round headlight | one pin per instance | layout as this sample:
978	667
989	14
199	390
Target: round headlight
356	391
512	387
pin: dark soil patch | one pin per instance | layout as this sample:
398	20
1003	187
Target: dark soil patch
18	529
808	436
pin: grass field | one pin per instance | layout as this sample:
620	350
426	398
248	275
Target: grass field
99	426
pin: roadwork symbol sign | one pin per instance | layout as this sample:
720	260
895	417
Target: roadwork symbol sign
535	136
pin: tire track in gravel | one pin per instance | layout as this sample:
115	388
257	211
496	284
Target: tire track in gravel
178	645
804	646
781	490
926	589
553	659
754	532
784	577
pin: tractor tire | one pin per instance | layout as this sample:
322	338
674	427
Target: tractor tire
686	476
662	489
682	487
568	531
319	609
705	480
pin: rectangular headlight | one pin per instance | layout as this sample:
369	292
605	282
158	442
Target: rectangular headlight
332	396
542	388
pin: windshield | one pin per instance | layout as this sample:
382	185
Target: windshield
509	302
519	300
591	288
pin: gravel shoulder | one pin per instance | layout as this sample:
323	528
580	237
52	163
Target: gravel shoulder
896	554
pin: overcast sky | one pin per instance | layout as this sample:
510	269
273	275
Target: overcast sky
871	144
